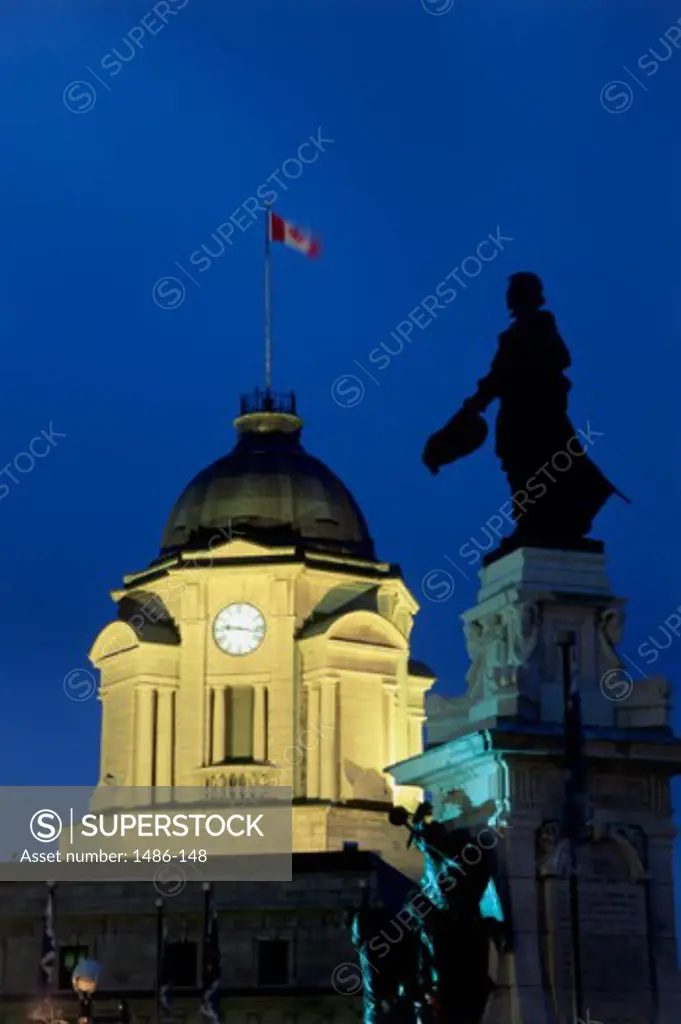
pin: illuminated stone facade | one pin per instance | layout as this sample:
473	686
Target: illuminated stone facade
326	698
325	703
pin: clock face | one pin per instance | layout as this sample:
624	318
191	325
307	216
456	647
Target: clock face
239	629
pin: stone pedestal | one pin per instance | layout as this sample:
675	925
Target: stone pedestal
496	755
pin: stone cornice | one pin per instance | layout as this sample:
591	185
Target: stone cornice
194	560
455	754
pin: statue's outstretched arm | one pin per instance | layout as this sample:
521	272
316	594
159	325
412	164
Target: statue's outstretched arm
485	394
488	387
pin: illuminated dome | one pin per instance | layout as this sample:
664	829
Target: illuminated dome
270	490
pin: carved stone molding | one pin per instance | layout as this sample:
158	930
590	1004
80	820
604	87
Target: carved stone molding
473	633
612	791
239	777
543	788
536	788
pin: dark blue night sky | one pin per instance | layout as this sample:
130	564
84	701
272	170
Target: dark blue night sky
494	116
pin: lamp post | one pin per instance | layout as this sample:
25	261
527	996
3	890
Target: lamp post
84	980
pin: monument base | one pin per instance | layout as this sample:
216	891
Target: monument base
526	602
497	755
514	543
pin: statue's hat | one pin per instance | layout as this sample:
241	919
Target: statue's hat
465	433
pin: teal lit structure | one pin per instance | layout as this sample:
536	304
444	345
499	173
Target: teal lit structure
434	951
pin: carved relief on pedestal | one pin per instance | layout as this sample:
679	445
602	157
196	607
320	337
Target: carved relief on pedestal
547	848
497	654
473	632
524	626
612	914
500	646
636	837
631	842
552	852
610	625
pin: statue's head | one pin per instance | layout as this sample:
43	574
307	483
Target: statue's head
525	293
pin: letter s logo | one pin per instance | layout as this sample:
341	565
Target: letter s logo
45	826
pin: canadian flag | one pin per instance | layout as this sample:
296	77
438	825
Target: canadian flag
284	231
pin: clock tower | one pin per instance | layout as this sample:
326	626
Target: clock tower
267	645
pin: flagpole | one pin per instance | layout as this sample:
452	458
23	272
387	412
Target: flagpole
268	301
159	955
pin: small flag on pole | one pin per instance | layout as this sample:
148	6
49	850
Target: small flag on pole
295	237
210	1003
48	952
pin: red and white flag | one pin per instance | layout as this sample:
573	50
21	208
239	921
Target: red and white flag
297	238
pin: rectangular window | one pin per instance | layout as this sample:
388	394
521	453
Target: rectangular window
239	722
69	958
182	964
273	962
265	726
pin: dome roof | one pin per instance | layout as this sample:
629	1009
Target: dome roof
270	490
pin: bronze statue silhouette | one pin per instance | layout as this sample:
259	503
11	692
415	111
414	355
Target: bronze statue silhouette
557	490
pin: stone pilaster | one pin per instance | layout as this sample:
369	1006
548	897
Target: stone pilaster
328	768
144	707
164	737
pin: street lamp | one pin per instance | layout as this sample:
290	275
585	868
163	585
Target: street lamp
84	980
